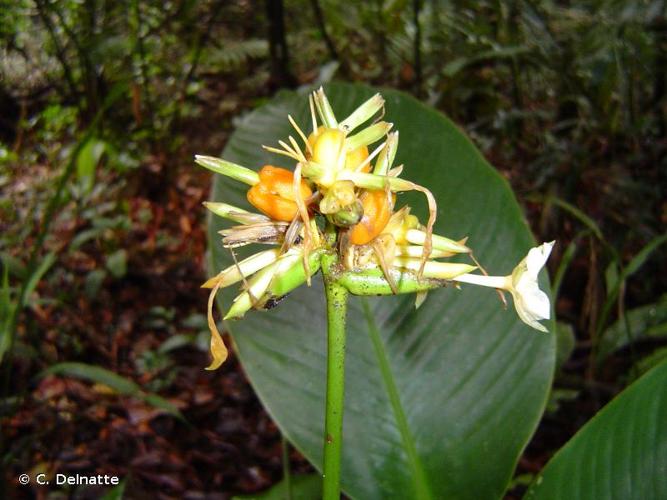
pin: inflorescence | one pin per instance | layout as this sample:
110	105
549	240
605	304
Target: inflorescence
336	210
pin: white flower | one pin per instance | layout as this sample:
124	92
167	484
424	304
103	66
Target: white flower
531	303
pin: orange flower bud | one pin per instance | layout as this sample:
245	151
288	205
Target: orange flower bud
274	193
377	211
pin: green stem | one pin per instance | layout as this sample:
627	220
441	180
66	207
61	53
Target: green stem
287	474
337	296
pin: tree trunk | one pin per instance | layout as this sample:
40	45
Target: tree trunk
280	73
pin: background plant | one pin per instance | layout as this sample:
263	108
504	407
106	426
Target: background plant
565	99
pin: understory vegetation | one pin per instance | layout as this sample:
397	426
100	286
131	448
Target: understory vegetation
103	245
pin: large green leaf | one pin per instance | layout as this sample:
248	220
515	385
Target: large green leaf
620	454
442	399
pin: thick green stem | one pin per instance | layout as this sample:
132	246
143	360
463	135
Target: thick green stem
337	296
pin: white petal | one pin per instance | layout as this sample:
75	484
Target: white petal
525	315
531	303
537	257
535	302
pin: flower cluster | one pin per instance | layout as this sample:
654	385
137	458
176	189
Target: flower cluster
339	202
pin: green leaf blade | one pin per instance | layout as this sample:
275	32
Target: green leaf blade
620	454
118	383
470	379
95	374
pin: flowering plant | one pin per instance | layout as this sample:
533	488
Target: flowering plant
336	212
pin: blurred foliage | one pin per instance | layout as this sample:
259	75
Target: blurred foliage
103	104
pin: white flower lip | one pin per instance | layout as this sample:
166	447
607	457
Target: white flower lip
531	303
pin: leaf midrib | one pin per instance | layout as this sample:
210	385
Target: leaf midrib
422	490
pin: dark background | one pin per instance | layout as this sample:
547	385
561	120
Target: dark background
103	105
